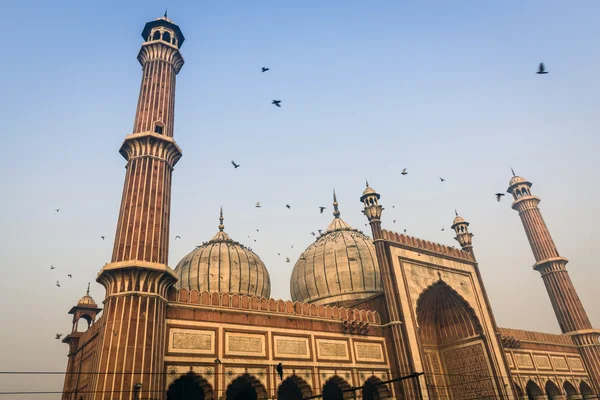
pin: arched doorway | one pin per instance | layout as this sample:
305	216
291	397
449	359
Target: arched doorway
519	391
553	391
374	390
456	356
570	391
334	389
190	387
586	390
294	388
246	387
533	391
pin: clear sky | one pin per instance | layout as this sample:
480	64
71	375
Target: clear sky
442	88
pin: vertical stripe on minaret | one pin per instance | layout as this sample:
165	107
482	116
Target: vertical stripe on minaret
571	315
130	360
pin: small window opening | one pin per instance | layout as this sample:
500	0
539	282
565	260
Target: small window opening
167	37
156	35
158	129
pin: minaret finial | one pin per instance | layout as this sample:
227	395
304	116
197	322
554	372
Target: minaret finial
221	226
367	182
513	171
88	290
455	212
336	212
165	13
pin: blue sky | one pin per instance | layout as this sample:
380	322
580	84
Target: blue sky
441	88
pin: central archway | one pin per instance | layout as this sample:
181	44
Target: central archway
533	391
190	387
456	356
294	388
246	387
334	389
373	389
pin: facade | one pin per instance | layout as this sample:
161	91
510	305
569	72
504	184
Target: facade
364	312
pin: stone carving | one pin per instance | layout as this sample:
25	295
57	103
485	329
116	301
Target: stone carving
245	344
468	373
192	341
369	351
576	364
360	328
542	362
523	360
332	349
560	363
288	346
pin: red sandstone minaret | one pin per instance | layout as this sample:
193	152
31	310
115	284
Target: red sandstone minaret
130	360
569	311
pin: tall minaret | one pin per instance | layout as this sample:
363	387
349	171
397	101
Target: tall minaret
403	359
569	311
130	360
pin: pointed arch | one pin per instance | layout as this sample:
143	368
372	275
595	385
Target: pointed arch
569	389
585	390
519	390
552	390
188	386
334	388
246	387
294	388
533	391
374	389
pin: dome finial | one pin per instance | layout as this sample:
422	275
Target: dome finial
88	290
513	171
455	212
221	226
336	212
165	13
367	182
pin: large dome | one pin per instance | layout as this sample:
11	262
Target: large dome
339	268
223	265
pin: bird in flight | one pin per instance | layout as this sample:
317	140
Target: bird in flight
312	233
394	221
322	209
234	164
258	204
287	259
404	171
288	206
405	231
57	284
52	267
442	229
70	276
58	336
177	237
278	254
499	196
320	232
442	179
257	230
541	69
264	69
255	240
57	210
276	102
102	237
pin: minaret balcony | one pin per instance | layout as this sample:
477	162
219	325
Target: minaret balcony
151	144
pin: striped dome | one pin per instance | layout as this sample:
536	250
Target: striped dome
339	268
223	265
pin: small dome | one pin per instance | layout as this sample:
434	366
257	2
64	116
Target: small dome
368	190
339	268
458	220
87	300
223	265
516	179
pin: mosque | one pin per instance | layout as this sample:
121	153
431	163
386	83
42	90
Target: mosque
387	317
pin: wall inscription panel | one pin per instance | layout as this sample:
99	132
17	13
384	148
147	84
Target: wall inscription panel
292	347
523	360
245	344
469	376
192	341
560	364
372	352
576	364
542	362
332	349
509	360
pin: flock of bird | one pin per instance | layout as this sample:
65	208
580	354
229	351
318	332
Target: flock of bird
541	71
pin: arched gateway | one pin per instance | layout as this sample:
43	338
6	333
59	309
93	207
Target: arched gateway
246	387
190	387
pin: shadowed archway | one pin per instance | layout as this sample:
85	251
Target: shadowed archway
456	356
586	391
334	389
246	387
570	391
190	387
553	391
374	390
294	388
533	391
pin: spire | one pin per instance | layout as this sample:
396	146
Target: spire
87	293
367	182
513	171
165	13
455	212
221	226
336	212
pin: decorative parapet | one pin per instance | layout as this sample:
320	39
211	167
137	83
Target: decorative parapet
510	342
426	245
530	336
244	302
